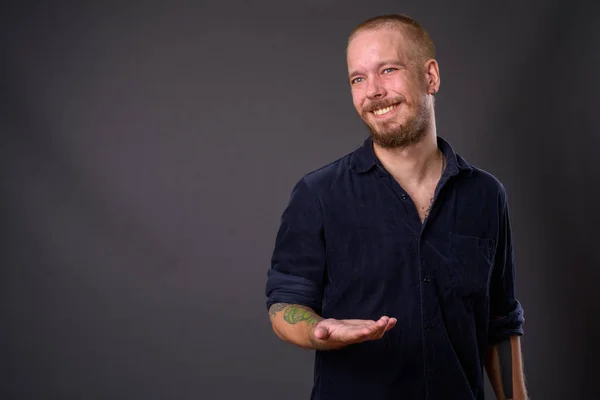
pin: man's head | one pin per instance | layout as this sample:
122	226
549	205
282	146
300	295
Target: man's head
393	76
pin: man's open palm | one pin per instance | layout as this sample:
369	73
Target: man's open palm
335	333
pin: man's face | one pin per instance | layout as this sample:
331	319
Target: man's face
389	87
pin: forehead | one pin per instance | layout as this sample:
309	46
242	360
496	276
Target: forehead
373	45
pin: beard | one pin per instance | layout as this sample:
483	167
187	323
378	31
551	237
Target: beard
392	134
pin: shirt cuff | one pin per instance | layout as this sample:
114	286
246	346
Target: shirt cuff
510	324
292	289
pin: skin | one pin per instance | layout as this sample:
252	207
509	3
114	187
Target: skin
301	326
506	377
384	71
404	141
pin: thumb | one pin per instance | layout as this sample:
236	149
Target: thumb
321	332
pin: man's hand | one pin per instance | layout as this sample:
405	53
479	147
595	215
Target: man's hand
331	334
301	326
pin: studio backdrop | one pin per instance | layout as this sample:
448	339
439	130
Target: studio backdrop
148	150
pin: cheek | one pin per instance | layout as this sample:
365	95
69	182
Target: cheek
358	100
395	86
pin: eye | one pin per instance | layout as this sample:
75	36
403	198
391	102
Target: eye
356	80
388	70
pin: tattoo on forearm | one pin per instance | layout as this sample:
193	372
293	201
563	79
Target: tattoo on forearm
505	360
275	308
295	314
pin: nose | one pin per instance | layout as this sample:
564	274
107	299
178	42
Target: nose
374	88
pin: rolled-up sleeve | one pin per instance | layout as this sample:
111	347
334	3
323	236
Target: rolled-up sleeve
298	263
506	312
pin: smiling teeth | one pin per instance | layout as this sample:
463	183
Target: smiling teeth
382	111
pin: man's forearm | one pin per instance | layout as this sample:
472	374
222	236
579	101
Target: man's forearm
294	323
504	367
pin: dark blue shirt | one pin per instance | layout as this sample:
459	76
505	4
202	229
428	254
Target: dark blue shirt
351	245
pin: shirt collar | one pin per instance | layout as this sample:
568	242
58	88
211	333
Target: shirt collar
364	158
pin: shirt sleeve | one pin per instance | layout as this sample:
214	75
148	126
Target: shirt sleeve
506	312
298	262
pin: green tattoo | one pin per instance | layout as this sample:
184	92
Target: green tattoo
294	315
275	308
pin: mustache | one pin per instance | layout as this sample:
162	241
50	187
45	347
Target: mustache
376	105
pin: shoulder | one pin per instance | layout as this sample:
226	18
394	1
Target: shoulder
320	181
483	182
310	192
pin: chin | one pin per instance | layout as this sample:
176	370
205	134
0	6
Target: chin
397	136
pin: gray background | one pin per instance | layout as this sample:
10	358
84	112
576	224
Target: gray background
148	150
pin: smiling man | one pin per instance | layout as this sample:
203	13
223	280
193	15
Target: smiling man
395	263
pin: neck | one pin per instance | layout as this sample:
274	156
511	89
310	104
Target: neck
414	165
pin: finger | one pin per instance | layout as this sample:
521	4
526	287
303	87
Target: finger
391	323
359	330
362	330
359	322
378	325
382	331
321	332
378	329
382	323
387	324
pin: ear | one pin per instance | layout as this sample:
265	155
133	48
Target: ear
432	74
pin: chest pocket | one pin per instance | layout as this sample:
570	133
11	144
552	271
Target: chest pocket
471	264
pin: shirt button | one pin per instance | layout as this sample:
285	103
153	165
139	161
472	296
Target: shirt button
430	370
427	279
403	197
428	326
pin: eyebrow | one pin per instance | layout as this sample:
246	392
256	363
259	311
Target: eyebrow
381	64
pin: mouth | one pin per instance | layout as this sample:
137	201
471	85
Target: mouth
385	110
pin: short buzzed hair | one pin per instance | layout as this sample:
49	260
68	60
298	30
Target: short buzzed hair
424	48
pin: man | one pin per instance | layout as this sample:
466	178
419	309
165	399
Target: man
395	262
